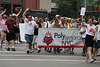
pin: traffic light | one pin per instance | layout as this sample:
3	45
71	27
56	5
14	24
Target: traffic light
95	8
17	9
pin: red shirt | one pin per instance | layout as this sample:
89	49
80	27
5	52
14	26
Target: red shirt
10	25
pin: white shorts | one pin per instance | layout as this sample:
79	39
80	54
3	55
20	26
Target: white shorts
35	39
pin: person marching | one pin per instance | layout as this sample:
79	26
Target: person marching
3	19
10	35
83	34
29	30
97	39
89	38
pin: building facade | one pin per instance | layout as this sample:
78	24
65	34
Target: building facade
32	4
10	5
45	5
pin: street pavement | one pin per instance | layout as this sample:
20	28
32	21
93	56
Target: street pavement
19	58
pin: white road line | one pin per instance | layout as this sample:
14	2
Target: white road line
49	56
12	51
39	55
45	60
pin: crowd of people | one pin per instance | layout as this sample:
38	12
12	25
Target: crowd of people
89	30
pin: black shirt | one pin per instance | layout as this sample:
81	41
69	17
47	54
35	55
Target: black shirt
36	29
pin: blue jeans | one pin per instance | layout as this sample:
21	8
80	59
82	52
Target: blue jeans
56	49
29	38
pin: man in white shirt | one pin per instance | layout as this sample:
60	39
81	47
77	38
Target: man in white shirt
49	24
46	20
29	30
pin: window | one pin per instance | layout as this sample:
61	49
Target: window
53	1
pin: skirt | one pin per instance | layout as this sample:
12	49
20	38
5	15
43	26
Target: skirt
89	41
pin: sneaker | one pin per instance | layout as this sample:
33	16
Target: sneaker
92	61
39	51
13	49
93	58
60	49
67	50
28	51
8	49
31	51
72	53
87	61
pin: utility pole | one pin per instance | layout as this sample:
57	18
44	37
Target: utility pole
0	5
11	6
85	3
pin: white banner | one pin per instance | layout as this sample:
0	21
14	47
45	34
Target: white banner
55	37
59	38
22	31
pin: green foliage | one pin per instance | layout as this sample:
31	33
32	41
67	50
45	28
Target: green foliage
67	8
98	2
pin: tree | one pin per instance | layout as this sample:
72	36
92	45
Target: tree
67	8
98	2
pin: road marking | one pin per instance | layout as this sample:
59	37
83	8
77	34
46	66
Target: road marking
56	56
17	53
45	60
12	51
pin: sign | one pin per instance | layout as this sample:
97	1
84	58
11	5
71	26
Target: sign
59	38
82	11
55	37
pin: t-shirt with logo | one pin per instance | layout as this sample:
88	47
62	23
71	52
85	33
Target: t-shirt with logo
90	29
29	27
98	32
25	20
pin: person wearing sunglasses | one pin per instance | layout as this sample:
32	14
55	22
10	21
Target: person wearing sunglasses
10	35
3	19
29	30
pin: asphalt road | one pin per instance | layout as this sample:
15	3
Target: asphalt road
19	58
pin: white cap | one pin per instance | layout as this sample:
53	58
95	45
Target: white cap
57	15
69	18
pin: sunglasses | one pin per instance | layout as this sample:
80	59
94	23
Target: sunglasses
29	17
4	17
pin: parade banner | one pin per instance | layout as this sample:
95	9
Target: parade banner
22	31
55	37
59	38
